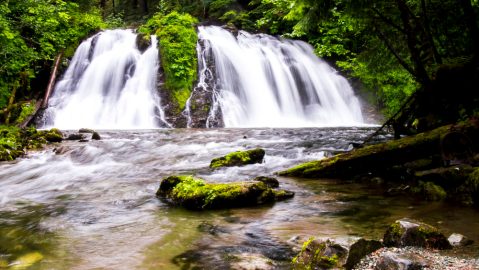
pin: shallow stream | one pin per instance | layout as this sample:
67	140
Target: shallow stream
93	206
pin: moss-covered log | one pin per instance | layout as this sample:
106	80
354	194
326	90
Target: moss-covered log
194	193
380	157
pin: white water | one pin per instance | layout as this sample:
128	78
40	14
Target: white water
109	84
268	82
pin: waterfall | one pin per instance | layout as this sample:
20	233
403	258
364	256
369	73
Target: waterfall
109	84
264	81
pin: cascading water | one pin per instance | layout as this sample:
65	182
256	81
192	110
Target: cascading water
109	84
268	82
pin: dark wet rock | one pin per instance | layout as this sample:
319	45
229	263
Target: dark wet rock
408	232
393	261
359	250
333	254
53	135
75	137
85	130
95	136
142	42
195	193
239	158
458	240
259	252
269	181
448	177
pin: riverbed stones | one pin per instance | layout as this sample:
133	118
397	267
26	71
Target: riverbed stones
95	136
393	261
408	232
239	158
75	137
196	194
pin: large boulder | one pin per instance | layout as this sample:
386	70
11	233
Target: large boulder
408	232
334	254
239	158
195	193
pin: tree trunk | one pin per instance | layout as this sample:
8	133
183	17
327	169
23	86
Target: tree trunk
51	83
10	105
420	72
427	30
471	21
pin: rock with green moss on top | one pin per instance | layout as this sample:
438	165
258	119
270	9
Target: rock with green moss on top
53	135
408	232
239	158
196	194
338	253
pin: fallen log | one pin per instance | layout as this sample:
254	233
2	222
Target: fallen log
380	157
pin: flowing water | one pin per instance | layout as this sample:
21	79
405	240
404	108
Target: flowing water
93	206
263	81
109	84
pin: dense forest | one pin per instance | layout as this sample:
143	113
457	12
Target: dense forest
389	49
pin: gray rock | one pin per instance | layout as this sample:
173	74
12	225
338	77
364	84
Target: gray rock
75	137
95	136
85	130
269	181
459	240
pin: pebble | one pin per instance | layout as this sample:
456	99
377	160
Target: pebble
435	261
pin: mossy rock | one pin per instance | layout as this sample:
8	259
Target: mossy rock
320	254
194	193
269	181
239	158
408	232
53	135
430	191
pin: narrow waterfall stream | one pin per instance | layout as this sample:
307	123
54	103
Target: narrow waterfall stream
263	81
109	84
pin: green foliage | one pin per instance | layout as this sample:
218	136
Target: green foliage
177	41
33	32
28	109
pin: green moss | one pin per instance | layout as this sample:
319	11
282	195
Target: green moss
431	191
177	41
194	193
472	185
28	109
239	158
313	256
378	157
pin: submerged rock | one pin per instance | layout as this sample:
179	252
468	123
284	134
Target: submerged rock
195	193
239	158
334	254
408	232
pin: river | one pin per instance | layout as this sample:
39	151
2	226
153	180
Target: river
93	206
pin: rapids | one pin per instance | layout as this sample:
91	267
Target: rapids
93	206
